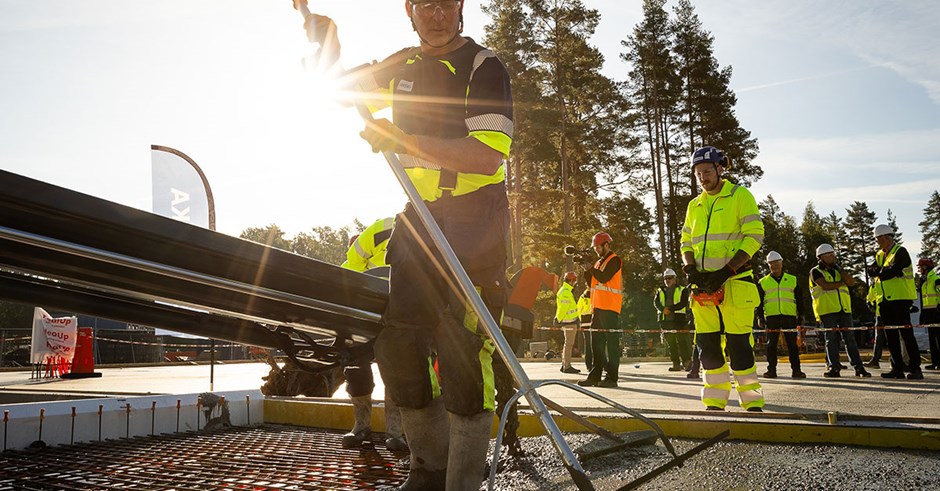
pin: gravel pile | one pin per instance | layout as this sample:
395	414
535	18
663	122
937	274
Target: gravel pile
729	465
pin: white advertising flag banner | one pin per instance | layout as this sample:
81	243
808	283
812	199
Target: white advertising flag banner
53	337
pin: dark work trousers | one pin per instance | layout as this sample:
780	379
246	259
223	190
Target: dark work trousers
898	313
834	339
738	347
423	311
879	344
605	345
588	344
932	316
680	344
788	323
359	379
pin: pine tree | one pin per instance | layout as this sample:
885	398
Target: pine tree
859	246
930	228
893	223
781	234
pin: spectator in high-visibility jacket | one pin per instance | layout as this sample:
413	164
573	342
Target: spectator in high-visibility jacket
366	254
929	313
895	293
722	230
606	300
671	301
567	316
780	311
586	311
829	285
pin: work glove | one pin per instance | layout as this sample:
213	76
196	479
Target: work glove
874	271
715	279
693	274
383	135
886	274
914	309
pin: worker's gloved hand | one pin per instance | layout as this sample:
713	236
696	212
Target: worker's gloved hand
715	279
874	270
321	30
886	274
383	135
693	274
914	309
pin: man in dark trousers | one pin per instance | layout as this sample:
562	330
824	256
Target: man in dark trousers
895	293
671	301
780	310
607	299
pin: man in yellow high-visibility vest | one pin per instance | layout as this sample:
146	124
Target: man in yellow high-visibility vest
929	312
895	293
566	316
722	230
781	308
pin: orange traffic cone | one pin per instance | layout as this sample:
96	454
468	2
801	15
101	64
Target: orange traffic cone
83	363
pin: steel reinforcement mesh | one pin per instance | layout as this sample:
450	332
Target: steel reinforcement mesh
268	457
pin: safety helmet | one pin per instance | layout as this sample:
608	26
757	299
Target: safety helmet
601	238
824	249
882	229
669	273
774	256
925	262
711	155
571	277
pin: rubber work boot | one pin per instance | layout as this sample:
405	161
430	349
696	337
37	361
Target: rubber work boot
362	430
770	373
394	439
428	439
469	441
798	374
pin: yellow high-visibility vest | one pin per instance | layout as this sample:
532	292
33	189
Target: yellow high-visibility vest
829	301
717	227
367	252
929	298
779	297
900	288
566	310
676	298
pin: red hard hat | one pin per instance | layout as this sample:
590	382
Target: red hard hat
601	238
926	261
570	277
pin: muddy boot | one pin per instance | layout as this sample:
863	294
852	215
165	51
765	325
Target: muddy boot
469	441
394	439
428	431
362	429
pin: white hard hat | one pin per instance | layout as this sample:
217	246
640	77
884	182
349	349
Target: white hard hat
883	229
823	249
669	273
774	256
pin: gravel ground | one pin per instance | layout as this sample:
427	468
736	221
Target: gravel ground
729	465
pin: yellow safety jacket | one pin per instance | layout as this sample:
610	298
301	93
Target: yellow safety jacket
900	288
676	298
608	295
779	297
718	226
447	96
584	305
566	310
929	298
829	301
367	252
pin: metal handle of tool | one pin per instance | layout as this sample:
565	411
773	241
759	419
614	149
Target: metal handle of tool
470	293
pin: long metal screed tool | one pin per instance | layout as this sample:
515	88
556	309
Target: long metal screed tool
468	291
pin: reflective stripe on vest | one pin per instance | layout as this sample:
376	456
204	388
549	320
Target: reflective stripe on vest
606	295
779	297
566	310
715	232
928	290
676	298
829	301
900	288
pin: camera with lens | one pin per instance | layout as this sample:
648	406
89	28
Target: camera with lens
583	256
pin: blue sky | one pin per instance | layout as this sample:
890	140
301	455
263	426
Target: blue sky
843	96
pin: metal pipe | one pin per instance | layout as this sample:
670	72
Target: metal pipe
58	245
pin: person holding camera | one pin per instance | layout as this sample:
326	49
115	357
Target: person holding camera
606	299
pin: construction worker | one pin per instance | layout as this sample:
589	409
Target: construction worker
722	230
671	301
929	314
366	254
585	310
832	305
566	316
781	309
606	302
895	293
452	130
